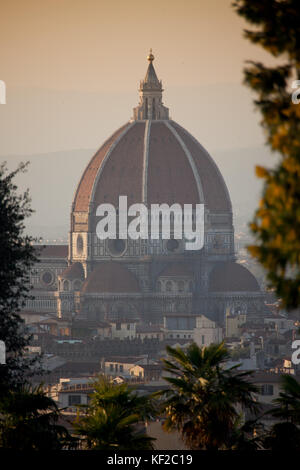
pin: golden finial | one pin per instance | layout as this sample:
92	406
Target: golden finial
150	56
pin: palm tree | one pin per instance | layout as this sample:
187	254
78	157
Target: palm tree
285	435
287	405
205	400
29	421
114	418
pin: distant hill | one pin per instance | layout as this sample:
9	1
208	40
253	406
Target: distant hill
238	169
52	179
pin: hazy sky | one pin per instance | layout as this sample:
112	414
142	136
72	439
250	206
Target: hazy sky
72	69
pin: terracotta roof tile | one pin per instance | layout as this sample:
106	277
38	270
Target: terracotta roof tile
216	195
122	174
75	271
170	176
232	277
84	189
52	251
162	163
111	277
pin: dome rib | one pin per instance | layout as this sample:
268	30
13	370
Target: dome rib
82	196
216	199
153	162
145	161
122	174
170	175
108	153
190	159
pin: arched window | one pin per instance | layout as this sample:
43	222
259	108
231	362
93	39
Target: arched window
153	109
79	244
66	285
169	286
180	286
159	287
77	285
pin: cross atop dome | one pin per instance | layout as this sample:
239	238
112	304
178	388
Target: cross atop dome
150	56
151	80
150	105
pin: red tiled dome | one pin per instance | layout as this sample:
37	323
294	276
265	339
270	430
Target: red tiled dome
75	271
152	161
232	277
111	277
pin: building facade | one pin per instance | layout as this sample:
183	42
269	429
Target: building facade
152	160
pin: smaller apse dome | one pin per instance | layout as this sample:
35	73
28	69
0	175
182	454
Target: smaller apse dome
75	271
110	277
232	277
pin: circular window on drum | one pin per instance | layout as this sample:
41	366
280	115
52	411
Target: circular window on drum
117	247
172	245
79	244
47	278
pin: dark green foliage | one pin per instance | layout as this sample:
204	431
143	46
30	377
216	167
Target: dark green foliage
17	258
205	400
29	421
288	402
285	434
114	419
276	225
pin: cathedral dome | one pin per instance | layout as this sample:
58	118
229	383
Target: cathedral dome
129	275
152	162
151	159
232	277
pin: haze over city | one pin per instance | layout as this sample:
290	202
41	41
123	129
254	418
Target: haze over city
151	300
72	71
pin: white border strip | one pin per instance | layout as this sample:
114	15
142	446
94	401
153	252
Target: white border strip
100	170
191	161
145	161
